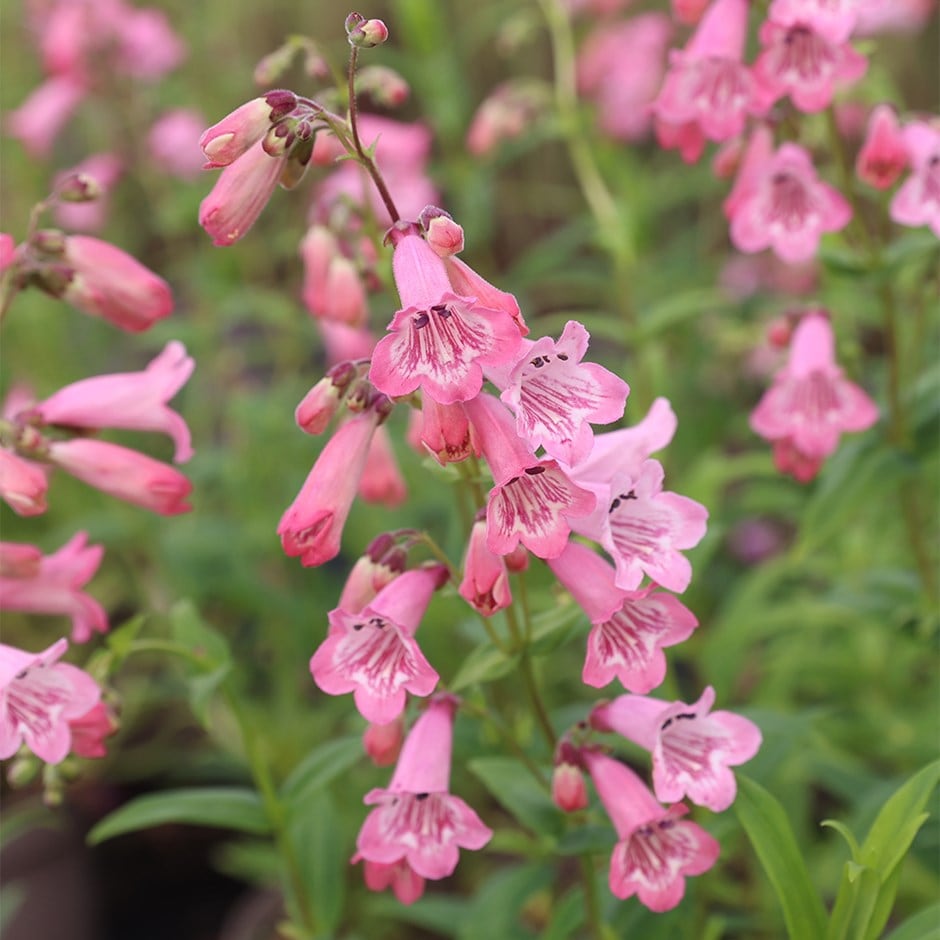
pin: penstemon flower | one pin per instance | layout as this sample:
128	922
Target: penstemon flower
485	584
917	201
883	155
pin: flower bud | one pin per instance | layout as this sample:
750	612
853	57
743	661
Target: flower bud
383	85
383	742
78	187
320	404
569	791
225	142
444	236
279	139
363	33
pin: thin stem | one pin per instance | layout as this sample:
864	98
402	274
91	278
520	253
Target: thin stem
591	909
535	697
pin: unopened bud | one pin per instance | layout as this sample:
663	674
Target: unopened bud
78	187
382	405
23	770
363	33
278	139
318	406
569	791
518	559
383	742
444	236
296	164
49	242
383	85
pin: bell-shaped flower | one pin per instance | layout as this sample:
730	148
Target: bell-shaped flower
124	474
130	400
805	64
467	282
692	746
333	288
708	90
237	132
107	282
656	849
834	19
312	526
555	395
917	202
533	501
373	653
54	585
443	431
629	629
416	821
782	205
485	584
883	154
810	403
39	697
439	340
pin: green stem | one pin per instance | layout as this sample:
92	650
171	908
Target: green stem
591	908
535	697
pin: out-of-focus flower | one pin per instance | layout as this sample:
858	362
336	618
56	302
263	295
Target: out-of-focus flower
509	110
23	484
381	480
917	202
898	16
883	155
173	142
103	170
383	742
90	730
39	119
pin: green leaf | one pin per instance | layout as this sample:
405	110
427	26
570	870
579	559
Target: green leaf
192	632
484	664
552	628
596	840
121	640
322	856
496	904
924	925
770	833
320	767
223	807
845	832
516	791
677	308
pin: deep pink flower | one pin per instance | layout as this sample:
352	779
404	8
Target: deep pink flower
569	791
805	64
708	91
416	820
39	697
485	584
555	395
173	142
381	480
917	202
318	407
407	884
439	340
107	282
373	654
444	432
883	155
629	628
131	400
312	526
55	586
810	403
23	484
124	474
781	204
39	119
90	730
692	747
656	848
383	744
7	251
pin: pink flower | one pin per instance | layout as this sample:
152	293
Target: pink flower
554	395
883	155
373	653
810	403
381	480
383	744
901	16
781	204
444	432
147	46
55	586
173	142
40	118
381	563
333	288
708	91
569	791
621	67
656	848
124	474
312	526
416	820
533	501
239	131
320	404
485	584
806	64
917	202
131	400
399	876
834	19
692	746
90	730
505	114
629	628
23	484
105	170
438	340
39	697
107	282
7	251
466	282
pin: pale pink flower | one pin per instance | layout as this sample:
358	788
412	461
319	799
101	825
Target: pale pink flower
656	849
533	501
107	282
90	730
505	114
805	64
55	587
621	67
130	400
439	341
312	526
343	342
23	484
147	47
917	202
555	395
240	194
485	584
105	169
629	629
416	820
383	744
40	118
782	204
333	288
39	697
373	653
883	155
124	474
898	16
708	91
381	480
834	19
692	746
173	142
240	130
811	403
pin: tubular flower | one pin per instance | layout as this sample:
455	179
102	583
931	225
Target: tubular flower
917	202
692	746
656	848
373	654
485	584
883	155
39	698
417	823
23	484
